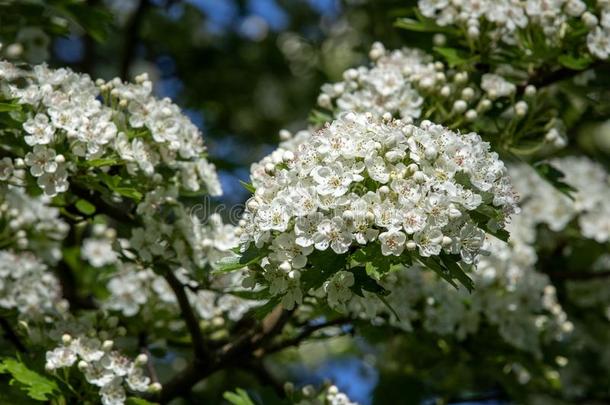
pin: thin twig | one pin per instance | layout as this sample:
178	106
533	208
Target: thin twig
304	334
143	344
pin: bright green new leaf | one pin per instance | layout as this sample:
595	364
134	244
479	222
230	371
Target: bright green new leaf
35	385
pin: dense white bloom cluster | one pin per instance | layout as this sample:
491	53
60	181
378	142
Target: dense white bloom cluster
554	18
361	179
135	290
31	224
387	87
71	124
543	204
509	295
402	83
102	366
28	286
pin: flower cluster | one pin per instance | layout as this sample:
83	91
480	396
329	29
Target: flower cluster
509	295
387	87
28	286
31	224
137	290
360	180
555	19
102	366
543	204
71	126
404	82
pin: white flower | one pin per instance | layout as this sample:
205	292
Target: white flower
54	182
332	180
392	242
598	42
98	252
496	86
39	129
429	241
41	160
333	232
60	357
338	289
285	248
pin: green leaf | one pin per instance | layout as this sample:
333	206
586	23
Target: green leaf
455	57
139	401
319	118
240	260
239	397
85	207
451	263
129	193
322	265
102	162
376	263
555	177
4	107
363	282
487	218
33	384
435	265
94	20
575	63
248	186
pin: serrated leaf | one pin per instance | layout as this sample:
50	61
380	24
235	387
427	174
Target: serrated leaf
555	177
85	207
95	20
33	384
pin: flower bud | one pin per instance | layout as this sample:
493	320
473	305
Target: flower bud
154	388
471	115
141	359
107	345
439	39
285	266
530	91
324	101
411	245
467	93
521	108
66	339
285	135
460	106
445	91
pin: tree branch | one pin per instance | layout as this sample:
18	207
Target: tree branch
192	324
305	333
